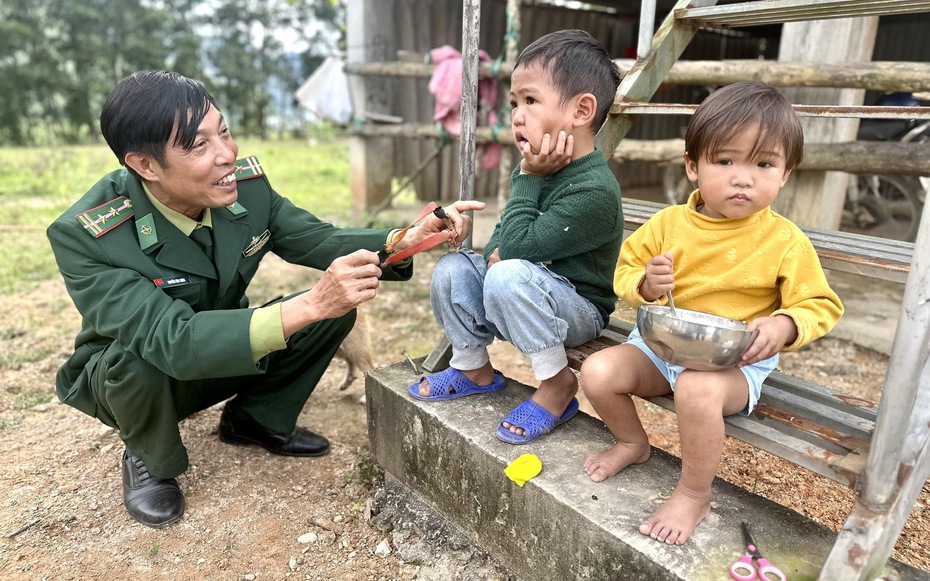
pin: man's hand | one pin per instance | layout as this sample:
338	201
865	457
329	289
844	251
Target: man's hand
348	282
660	277
546	162
456	221
774	333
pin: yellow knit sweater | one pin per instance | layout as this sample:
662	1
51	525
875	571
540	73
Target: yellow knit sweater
756	266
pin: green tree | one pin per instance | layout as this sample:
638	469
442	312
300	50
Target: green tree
326	22
106	40
28	69
246	52
59	58
248	56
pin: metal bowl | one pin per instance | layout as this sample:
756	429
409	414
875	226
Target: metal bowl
693	339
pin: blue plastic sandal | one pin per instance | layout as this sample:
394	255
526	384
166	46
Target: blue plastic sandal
535	421
452	384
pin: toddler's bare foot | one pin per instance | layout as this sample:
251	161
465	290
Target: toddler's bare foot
674	522
602	466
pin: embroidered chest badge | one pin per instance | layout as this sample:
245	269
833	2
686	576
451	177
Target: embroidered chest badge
107	216
256	244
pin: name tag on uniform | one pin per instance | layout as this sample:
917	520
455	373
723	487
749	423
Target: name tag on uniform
171	282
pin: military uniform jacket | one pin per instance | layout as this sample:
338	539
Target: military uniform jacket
140	282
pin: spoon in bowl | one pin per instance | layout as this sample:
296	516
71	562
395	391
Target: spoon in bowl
671	304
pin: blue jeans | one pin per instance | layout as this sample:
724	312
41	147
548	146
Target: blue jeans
518	301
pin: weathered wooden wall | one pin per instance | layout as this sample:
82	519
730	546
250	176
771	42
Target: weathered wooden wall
421	25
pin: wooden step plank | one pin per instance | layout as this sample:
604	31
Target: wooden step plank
856	406
837	432
772	438
813	426
618	330
820	416
778	11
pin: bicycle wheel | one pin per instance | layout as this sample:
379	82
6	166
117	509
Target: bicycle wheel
888	206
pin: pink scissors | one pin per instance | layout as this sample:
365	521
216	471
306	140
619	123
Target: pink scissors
743	569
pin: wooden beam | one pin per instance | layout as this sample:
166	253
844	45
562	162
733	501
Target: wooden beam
644	78
861	157
511	52
872	76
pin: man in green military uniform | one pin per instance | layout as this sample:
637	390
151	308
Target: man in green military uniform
157	258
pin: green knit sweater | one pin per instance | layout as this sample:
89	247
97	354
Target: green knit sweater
572	221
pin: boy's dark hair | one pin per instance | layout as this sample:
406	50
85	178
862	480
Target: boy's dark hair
577	64
731	109
142	110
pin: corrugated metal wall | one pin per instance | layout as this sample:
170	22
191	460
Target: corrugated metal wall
421	25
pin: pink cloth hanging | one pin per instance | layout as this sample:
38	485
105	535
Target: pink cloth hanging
446	86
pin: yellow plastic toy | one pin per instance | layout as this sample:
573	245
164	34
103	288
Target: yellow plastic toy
524	468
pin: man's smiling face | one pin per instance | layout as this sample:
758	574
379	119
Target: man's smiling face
202	176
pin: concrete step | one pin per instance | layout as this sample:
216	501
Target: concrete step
561	525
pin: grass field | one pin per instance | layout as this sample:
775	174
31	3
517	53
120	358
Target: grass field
38	184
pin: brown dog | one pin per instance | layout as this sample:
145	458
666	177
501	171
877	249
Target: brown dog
356	350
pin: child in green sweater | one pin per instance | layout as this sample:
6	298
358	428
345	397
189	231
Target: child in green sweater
544	281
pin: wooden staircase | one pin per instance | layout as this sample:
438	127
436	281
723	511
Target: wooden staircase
898	461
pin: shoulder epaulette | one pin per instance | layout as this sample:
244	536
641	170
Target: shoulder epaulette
248	168
107	216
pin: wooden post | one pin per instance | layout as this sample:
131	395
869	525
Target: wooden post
511	52
371	159
471	26
899	459
816	198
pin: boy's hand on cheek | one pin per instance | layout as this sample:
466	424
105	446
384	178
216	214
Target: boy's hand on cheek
774	333
551	157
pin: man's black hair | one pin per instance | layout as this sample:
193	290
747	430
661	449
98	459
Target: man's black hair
143	110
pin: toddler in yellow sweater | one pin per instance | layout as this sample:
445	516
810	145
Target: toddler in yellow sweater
727	253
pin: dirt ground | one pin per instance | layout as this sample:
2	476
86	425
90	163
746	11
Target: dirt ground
252	515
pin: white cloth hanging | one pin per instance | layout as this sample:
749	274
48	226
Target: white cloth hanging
326	92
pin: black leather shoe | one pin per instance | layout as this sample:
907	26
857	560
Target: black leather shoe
300	442
155	502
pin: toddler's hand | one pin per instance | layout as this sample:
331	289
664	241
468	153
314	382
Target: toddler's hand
660	277
774	333
546	162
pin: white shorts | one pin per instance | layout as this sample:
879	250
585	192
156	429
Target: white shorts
755	374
